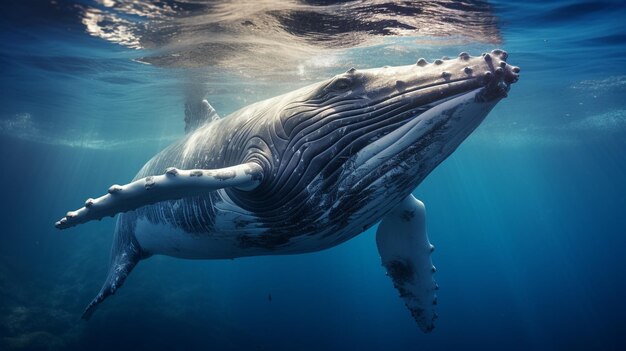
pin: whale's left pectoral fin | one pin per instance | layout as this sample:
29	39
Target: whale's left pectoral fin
405	252
174	184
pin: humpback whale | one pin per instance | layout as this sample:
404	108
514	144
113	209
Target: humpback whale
306	171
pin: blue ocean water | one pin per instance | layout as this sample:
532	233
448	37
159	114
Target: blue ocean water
527	215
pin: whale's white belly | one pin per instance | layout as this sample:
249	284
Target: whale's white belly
166	239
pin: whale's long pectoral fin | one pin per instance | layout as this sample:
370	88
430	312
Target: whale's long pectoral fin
405	252
174	184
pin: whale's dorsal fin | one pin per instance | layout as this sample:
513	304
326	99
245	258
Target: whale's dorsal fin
197	114
174	184
405	252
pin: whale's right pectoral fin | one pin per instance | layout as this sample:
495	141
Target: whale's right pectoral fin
174	184
405	252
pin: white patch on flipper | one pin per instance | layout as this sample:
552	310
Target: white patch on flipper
405	252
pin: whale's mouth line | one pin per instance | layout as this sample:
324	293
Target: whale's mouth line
484	94
421	109
492	90
488	92
451	81
402	94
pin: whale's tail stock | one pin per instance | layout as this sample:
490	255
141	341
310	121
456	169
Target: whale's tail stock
125	254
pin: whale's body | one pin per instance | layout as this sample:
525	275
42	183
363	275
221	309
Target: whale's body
317	167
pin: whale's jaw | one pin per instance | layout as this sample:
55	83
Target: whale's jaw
438	118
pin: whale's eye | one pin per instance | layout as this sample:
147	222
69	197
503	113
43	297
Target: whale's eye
341	84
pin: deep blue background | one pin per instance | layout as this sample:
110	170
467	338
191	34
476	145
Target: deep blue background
528	216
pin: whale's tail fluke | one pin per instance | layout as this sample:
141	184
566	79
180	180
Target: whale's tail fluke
125	254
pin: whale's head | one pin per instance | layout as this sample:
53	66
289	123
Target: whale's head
371	135
373	103
415	116
412	116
